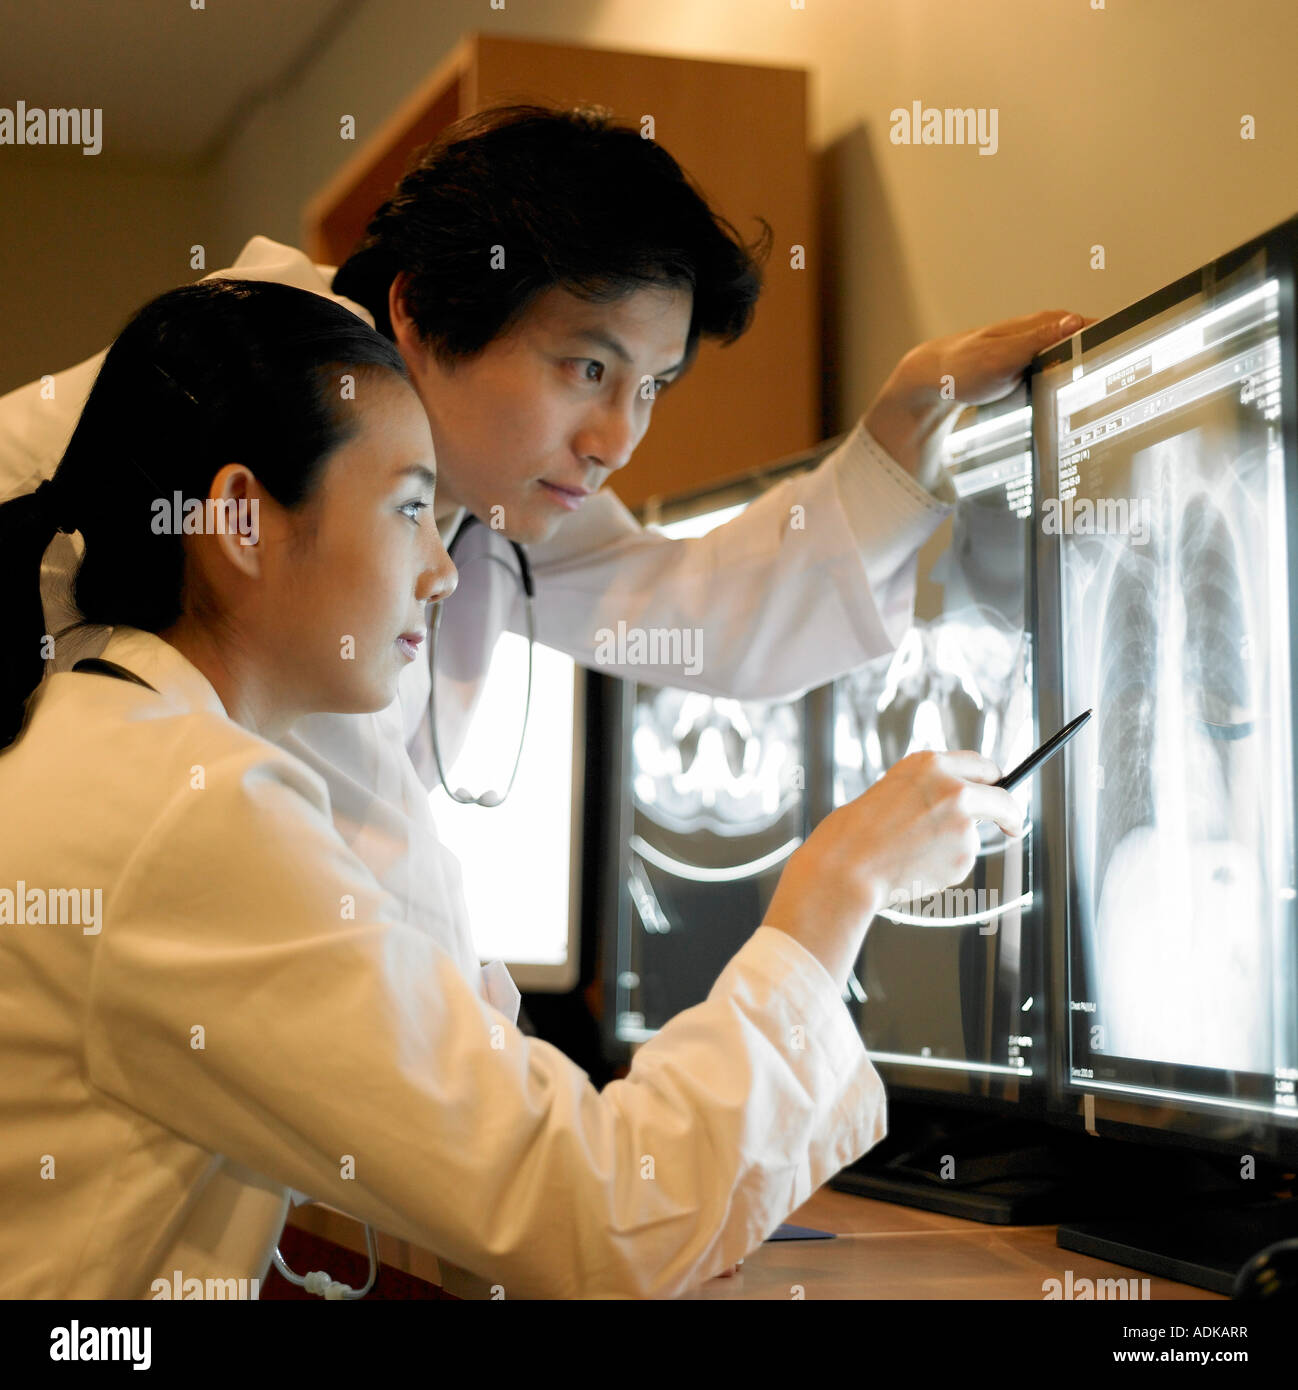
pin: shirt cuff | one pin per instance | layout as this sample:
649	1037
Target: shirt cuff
890	514
944	492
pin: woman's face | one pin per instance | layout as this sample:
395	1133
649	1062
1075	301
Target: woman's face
359	562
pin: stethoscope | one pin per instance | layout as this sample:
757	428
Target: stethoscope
464	797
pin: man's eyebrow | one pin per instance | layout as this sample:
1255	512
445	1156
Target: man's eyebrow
425	475
605	340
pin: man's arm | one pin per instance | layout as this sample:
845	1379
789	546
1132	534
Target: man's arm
813	578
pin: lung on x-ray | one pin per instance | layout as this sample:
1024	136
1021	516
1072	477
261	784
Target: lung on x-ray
1173	590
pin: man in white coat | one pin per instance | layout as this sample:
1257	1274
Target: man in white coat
533	382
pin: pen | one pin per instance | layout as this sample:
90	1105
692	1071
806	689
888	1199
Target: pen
1047	749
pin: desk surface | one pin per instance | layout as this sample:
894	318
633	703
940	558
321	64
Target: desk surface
883	1251
888	1251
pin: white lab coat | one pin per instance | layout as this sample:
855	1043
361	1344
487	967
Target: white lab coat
254	1015
781	609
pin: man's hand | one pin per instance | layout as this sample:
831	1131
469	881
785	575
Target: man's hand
914	412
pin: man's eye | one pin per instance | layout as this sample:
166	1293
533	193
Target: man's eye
418	507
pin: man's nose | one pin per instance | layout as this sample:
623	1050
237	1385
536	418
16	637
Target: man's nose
610	439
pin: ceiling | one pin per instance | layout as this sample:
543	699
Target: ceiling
173	82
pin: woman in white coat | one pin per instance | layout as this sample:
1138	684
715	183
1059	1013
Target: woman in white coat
211	1001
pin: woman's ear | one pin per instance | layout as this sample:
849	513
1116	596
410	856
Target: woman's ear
234	502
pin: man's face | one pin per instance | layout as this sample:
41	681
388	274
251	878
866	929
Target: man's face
549	409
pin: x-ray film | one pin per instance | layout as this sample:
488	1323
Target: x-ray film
1164	496
714	807
943	992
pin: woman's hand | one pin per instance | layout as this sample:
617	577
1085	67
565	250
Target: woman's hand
914	832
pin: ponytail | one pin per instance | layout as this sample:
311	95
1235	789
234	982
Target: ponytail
217	372
27	526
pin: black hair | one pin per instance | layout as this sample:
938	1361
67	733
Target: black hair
574	200
217	372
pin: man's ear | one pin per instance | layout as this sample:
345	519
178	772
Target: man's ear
397	313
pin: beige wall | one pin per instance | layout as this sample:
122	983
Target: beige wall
1118	126
86	240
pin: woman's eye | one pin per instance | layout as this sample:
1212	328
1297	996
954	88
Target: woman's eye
417	506
584	364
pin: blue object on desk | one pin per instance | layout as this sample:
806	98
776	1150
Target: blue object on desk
787	1232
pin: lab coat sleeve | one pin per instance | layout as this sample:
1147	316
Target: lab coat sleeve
813	579
253	991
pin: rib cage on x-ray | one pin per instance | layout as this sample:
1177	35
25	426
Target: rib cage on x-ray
1125	733
1178	880
1208	566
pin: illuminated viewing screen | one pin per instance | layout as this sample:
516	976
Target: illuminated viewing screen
713	808
1163	485
523	916
944	991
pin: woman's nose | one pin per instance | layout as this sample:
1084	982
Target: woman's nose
439	581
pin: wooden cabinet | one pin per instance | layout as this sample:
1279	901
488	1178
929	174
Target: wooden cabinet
740	131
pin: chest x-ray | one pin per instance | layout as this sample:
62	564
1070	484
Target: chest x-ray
1174	617
1171	648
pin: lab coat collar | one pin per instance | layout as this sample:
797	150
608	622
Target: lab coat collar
172	675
